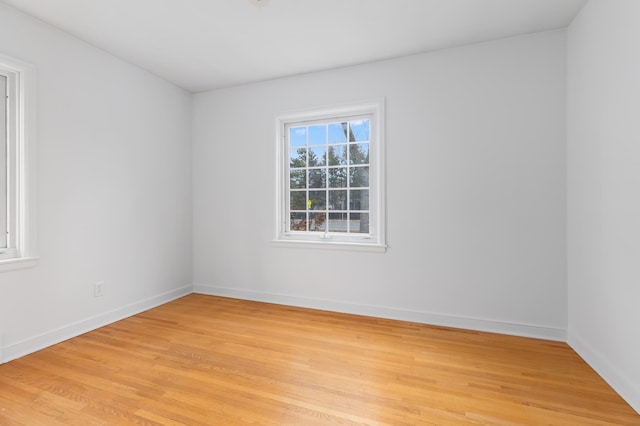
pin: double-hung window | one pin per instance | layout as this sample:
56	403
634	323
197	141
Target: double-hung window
330	178
17	233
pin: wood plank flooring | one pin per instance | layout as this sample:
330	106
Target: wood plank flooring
203	360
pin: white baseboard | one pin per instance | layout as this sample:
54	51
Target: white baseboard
556	334
61	334
629	391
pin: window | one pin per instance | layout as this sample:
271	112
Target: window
3	161
330	178
17	233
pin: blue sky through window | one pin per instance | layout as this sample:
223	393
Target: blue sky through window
318	135
298	136
360	130
337	133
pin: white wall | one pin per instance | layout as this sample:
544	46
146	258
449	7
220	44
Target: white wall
475	186
114	190
604	191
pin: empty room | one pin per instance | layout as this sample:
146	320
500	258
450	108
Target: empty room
288	212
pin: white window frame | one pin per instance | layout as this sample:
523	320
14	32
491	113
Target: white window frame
21	180
375	240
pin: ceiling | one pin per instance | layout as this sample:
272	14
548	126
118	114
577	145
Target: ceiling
207	44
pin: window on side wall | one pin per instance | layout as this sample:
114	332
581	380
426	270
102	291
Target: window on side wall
17	233
331	178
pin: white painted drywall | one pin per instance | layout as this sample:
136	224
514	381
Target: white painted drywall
114	189
603	127
475	187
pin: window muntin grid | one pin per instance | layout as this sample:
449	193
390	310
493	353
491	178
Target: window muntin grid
328	173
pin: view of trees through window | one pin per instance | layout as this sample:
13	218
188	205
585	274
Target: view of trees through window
329	176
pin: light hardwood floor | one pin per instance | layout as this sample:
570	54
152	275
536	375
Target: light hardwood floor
204	360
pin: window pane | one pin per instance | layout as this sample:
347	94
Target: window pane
337	222
317	200
317	156
298	222
298	136
297	179
359	223
359	153
298	200
359	131
317	178
317	221
318	135
337	133
359	199
338	177
359	177
338	155
337	200
298	157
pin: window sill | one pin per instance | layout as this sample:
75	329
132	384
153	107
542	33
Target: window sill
330	245
18	263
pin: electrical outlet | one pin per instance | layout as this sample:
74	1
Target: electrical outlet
98	289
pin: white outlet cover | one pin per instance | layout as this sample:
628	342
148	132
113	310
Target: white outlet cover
98	289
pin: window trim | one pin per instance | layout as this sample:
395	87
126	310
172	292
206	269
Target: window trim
376	242
21	250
